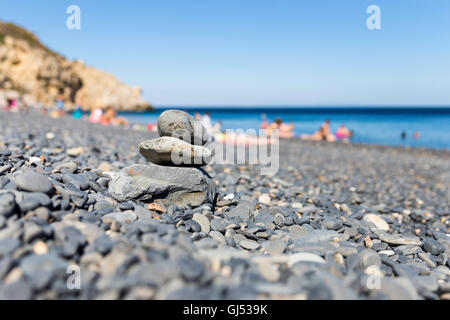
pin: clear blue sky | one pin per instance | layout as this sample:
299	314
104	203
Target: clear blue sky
246	52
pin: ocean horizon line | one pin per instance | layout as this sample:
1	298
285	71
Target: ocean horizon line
305	109
299	106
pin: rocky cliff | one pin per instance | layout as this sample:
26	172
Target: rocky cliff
35	73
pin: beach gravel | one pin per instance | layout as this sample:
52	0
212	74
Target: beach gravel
333	217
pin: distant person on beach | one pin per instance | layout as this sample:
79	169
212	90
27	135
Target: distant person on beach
217	128
207	123
285	130
328	134
60	105
343	132
416	135
78	113
324	133
110	117
316	136
265	125
152	127
403	135
96	116
14	107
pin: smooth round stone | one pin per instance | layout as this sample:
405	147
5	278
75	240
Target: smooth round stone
181	125
218	224
249	244
379	222
7	204
172	151
203	221
33	182
332	223
264	198
369	258
216	235
432	246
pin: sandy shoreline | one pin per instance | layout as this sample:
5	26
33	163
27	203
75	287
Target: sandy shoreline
332	216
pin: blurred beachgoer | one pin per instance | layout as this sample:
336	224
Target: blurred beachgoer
7	106
327	133
96	116
111	117
264	125
416	135
240	139
324	133
342	132
217	128
198	116
351	133
207	123
285	130
14	107
60	105
316	136
403	135
152	127
78	113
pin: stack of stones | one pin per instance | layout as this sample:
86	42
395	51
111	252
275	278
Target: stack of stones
174	173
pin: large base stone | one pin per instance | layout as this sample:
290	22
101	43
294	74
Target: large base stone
179	185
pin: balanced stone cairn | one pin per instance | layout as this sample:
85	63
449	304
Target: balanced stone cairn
173	174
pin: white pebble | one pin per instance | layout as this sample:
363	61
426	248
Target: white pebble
379	222
229	197
34	160
264	198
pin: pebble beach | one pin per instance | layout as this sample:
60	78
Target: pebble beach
337	221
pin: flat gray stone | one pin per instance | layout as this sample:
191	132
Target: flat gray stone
203	221
216	235
33	182
173	151
178	185
397	238
249	244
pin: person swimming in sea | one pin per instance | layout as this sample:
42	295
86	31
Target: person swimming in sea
403	135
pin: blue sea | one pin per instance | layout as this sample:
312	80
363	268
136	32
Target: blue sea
374	125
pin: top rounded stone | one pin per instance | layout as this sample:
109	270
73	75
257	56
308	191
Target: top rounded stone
181	125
